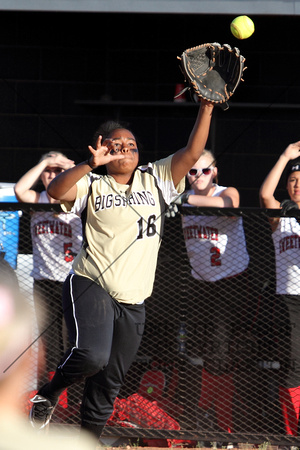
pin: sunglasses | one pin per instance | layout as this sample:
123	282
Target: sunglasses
197	172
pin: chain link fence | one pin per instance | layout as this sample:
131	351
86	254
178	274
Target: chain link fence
216	351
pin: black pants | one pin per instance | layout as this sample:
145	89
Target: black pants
105	336
47	302
288	334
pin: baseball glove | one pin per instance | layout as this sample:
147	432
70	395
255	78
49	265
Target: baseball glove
288	205
212	71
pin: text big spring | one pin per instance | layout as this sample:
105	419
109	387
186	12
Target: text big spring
117	200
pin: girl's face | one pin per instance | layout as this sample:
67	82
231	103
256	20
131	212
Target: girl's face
293	186
48	174
122	141
202	174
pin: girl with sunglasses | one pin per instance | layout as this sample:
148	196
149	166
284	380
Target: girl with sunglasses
212	256
216	248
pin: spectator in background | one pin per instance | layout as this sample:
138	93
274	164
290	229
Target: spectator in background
286	238
216	248
15	362
56	239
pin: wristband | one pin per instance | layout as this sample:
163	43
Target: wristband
185	197
89	164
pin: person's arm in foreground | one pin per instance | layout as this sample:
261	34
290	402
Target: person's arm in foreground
184	159
229	198
63	187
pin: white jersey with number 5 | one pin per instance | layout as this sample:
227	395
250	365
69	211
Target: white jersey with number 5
216	245
56	240
123	227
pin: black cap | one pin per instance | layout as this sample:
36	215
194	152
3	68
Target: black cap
293	166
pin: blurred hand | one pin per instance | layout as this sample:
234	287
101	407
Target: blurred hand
172	210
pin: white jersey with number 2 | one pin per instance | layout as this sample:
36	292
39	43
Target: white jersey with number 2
216	245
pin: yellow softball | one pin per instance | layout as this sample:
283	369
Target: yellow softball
242	27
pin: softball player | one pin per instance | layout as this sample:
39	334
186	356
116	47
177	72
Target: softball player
56	238
217	252
103	298
286	238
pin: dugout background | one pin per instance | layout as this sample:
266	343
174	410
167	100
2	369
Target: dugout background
62	74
